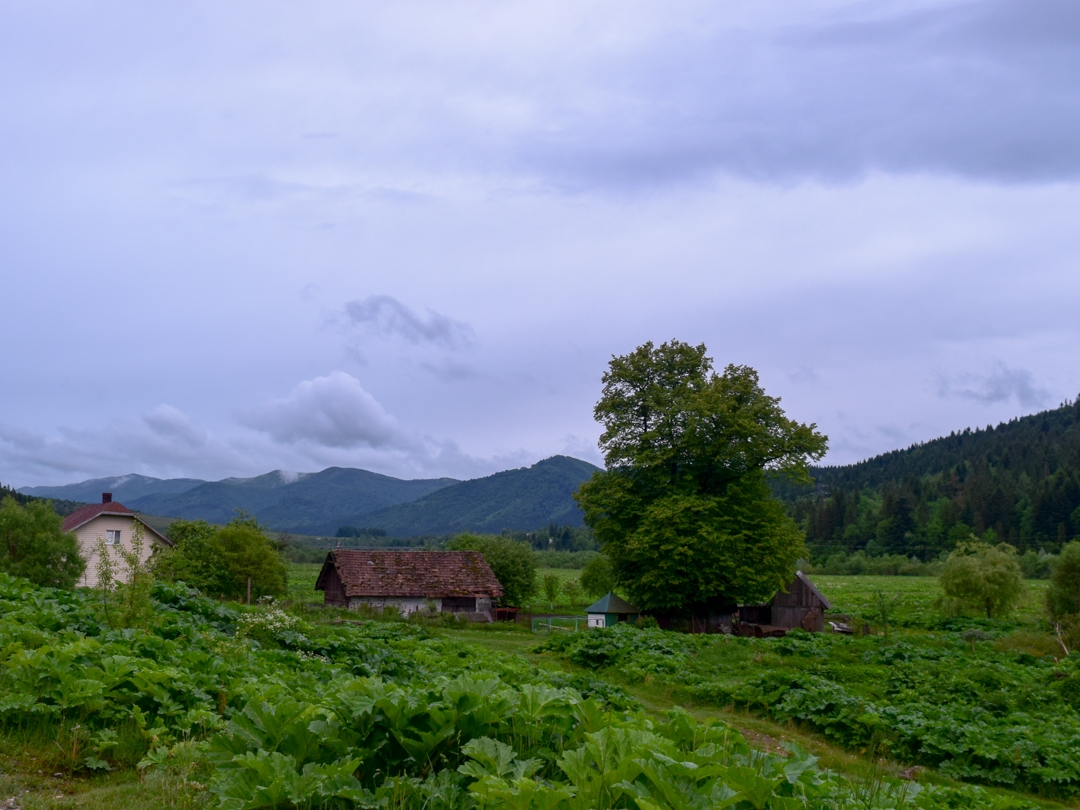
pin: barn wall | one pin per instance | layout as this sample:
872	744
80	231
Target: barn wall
405	604
333	590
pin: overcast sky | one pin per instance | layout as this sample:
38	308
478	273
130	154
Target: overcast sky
409	236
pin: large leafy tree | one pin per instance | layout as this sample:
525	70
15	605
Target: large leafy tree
683	509
33	545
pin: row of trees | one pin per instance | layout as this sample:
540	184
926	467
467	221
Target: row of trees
1020	480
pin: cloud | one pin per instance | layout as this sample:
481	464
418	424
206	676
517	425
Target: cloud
162	442
1000	385
450	370
172	423
804	374
980	90
331	411
386	316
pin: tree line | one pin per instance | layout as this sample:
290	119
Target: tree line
1017	483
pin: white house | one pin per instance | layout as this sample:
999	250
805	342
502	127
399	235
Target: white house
115	524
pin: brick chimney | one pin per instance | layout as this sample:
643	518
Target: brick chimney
106	497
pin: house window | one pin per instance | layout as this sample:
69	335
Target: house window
112	537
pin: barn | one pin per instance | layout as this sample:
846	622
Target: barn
800	604
447	581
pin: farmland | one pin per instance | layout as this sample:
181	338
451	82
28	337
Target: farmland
219	705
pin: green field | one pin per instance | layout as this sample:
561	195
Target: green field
235	707
916	598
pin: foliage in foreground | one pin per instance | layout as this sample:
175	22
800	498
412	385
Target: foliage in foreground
1000	718
270	711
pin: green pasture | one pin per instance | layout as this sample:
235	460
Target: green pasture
914	599
995	708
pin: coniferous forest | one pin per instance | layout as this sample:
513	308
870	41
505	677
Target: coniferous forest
1018	483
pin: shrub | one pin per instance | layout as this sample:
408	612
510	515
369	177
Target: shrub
982	577
1063	595
572	590
33	545
219	561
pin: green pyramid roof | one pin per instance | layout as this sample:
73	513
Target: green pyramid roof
611	604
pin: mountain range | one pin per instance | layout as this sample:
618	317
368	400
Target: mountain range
319	503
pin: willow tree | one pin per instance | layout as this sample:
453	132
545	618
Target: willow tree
683	509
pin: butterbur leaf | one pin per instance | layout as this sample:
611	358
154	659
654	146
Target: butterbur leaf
722	796
493	758
800	763
421	747
520	794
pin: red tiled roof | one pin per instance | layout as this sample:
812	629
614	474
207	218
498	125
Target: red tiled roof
85	514
423	574
91	511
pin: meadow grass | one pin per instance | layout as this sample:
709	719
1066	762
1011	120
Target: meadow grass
27	761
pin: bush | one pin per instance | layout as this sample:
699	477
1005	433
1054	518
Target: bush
33	545
575	560
888	565
1063	595
512	562
982	577
219	561
1037	564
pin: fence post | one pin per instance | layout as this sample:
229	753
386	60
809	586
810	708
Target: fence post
249	590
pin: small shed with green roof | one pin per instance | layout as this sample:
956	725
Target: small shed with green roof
610	610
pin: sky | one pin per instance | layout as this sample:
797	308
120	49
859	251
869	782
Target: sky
409	236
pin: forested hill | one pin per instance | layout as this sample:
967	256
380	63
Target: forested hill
62	507
1020	479
524	500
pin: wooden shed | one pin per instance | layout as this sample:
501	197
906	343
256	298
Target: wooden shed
800	604
447	581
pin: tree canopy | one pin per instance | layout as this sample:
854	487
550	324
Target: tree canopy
33	545
683	509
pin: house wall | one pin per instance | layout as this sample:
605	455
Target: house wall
89	533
